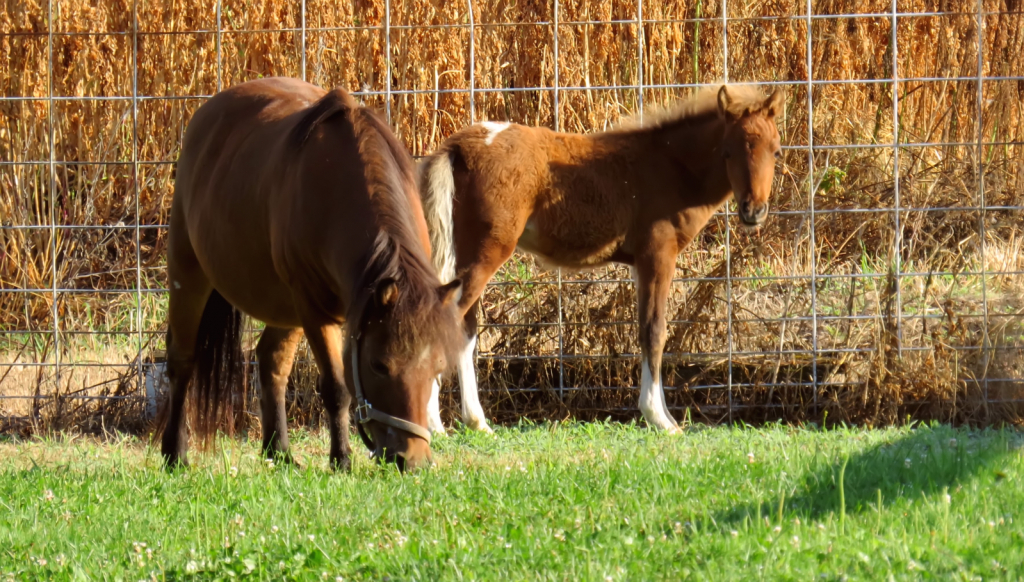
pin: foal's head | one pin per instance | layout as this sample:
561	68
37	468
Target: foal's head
408	337
750	148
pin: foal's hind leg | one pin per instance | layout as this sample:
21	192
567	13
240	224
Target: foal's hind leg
655	266
275	353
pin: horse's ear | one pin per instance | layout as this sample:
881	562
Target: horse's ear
450	293
774	103
387	293
725	104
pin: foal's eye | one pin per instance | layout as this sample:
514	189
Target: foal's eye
379	368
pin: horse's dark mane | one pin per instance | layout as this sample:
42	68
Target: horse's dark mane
334	102
418	316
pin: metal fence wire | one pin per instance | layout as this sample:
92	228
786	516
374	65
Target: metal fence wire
888	281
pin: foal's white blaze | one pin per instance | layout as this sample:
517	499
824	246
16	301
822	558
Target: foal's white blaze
493	129
472	412
652	399
434	408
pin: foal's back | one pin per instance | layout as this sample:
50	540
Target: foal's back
571	195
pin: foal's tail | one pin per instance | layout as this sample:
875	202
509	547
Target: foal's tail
218	381
437	191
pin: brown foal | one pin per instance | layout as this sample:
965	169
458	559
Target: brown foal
635	196
299	208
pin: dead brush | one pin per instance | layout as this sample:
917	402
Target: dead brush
949	348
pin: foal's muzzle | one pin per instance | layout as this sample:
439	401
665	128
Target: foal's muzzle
752	215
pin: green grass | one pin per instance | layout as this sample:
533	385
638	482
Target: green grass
572	502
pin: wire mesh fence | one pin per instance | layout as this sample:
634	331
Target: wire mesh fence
887	282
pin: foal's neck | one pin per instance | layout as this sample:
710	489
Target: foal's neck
687	152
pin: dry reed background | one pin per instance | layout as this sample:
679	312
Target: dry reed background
836	312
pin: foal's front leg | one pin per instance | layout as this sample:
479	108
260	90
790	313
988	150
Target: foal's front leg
326	344
275	354
653	272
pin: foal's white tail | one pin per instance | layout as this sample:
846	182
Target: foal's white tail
437	191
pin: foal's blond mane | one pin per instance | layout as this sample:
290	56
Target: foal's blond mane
703	103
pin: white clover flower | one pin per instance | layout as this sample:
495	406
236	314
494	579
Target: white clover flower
273	529
233	471
777	529
734	533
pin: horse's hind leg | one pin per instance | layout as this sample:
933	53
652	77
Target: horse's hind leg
275	353
655	266
190	290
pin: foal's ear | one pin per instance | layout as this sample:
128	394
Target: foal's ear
774	103
387	293
725	105
450	292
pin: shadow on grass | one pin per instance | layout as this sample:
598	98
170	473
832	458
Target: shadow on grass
927	460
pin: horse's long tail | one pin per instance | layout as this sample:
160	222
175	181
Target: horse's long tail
218	381
437	190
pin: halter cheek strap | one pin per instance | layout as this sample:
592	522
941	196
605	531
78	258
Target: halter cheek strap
365	412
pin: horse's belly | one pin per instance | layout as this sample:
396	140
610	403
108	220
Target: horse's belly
240	267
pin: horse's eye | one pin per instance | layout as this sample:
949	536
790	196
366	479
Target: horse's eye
379	368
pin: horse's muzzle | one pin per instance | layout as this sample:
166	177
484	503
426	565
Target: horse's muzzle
408	452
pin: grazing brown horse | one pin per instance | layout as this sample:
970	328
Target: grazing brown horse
634	196
299	208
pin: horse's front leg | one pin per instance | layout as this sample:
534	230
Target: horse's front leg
325	341
275	353
653	272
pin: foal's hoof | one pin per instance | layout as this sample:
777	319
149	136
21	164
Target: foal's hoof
479	424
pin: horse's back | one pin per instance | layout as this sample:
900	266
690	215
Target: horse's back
231	165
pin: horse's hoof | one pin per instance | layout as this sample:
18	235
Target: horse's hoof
279	458
174	463
341	464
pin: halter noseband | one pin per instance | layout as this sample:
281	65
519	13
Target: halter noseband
365	412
